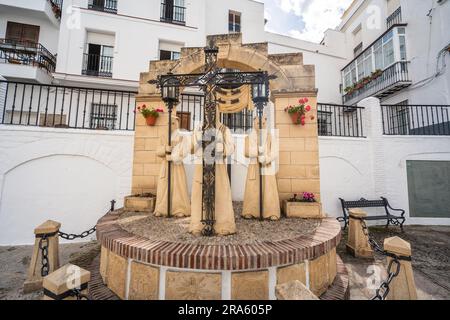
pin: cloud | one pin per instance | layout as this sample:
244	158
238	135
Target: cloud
317	16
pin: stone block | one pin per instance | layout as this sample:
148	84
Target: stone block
144	157
294	290
117	274
250	285
304	210
291	273
291	172
318	275
306	185
140	204
59	284
358	242
291	144
284	185
144	282
305	158
104	257
193	286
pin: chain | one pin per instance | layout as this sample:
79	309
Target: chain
83	235
382	292
43	246
77	293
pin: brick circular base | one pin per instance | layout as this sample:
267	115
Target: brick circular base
138	268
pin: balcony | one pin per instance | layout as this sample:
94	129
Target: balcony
381	84
56	7
97	65
395	18
27	53
173	14
45	9
109	6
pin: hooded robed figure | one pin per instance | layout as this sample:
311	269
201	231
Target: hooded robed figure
261	158
180	206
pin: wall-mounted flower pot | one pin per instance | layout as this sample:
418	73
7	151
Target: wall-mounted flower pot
305	210
151	121
296	118
140	203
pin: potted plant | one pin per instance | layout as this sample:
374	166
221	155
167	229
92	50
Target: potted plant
140	203
150	114
305	206
298	112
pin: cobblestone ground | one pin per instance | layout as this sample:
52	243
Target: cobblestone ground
14	263
431	255
431	265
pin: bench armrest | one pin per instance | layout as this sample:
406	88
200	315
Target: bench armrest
402	212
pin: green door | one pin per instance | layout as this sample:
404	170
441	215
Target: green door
429	189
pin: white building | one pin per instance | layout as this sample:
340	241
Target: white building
73	67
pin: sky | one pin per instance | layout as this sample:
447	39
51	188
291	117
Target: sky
304	19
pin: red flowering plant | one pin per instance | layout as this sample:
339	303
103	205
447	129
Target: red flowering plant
306	197
150	114
298	112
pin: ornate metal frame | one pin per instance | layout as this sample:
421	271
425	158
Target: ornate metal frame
212	78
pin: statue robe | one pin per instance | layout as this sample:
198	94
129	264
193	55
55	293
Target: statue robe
180	206
271	199
225	220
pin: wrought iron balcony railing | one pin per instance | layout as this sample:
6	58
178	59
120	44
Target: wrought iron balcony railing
340	121
234	27
109	6
38	105
416	120
392	79
173	14
27	53
56	7
97	65
394	18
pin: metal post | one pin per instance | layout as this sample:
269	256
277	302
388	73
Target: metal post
260	108
169	163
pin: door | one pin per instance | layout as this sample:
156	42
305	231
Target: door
19	32
93	58
429	189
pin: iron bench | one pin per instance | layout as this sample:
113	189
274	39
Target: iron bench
397	220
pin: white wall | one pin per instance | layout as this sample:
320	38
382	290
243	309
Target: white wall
66	175
375	166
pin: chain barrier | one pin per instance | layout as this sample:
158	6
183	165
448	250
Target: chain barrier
72	236
43	246
77	293
384	289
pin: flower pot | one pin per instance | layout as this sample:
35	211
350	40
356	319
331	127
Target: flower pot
151	121
140	203
296	118
304	210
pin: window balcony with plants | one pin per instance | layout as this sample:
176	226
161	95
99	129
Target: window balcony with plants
380	70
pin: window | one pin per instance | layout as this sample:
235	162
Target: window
98	61
324	122
358	49
103	116
169	55
402	42
103	5
234	22
173	11
19	32
388	49
368	63
378	54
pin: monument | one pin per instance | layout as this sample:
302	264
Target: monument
212	251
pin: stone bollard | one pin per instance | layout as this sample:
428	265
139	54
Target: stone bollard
358	242
47	236
60	285
403	286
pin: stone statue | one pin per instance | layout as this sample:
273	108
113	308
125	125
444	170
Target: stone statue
265	157
225	220
180	206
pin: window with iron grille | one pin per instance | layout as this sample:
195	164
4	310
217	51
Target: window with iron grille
103	116
324	122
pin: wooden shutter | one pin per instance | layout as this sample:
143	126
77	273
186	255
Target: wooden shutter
22	32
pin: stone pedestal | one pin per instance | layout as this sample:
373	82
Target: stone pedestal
60	284
403	286
358	243
47	233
